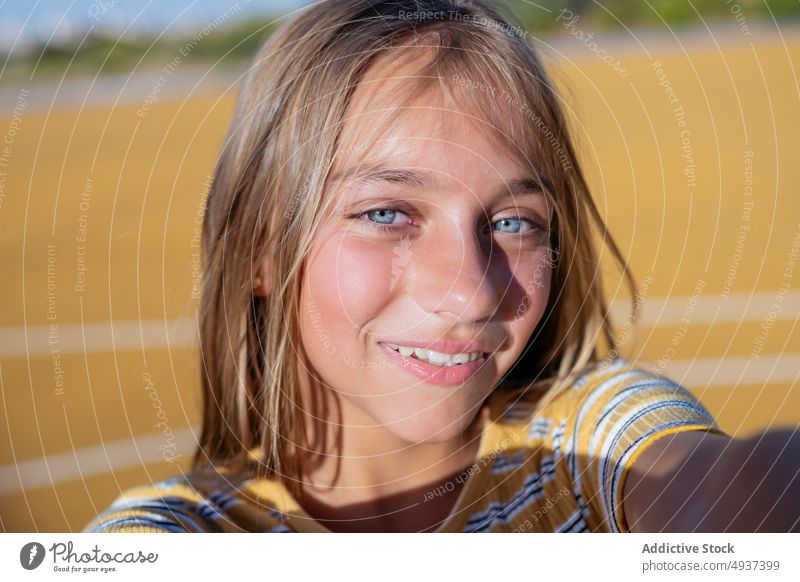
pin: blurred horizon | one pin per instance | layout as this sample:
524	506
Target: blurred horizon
50	21
48	40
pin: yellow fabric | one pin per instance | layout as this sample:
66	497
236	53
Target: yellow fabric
560	468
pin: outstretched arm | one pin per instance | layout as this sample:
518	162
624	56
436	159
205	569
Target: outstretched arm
698	481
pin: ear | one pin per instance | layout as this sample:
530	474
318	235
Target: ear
261	281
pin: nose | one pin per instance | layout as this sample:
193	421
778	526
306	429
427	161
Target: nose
451	273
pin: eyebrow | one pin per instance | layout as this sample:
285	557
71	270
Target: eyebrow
418	180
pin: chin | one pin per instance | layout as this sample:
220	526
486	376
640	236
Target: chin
432	426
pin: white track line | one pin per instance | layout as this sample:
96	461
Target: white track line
68	338
698	375
730	371
95	460
711	307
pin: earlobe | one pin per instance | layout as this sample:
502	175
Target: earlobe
260	285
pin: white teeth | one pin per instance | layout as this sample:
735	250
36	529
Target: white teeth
437	358
423	354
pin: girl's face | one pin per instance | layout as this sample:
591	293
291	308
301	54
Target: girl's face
436	236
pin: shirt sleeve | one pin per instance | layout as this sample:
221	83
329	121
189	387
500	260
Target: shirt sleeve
618	415
149	510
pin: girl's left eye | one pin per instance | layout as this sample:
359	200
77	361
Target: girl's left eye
515	224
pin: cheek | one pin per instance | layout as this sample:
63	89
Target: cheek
527	298
347	282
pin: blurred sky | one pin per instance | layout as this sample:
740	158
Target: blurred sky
27	22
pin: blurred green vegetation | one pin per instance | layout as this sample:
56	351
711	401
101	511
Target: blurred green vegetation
236	43
617	14
231	44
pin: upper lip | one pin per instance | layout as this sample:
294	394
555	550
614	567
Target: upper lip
444	346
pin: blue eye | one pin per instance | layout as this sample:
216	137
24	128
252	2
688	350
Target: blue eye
383	219
513	223
383	215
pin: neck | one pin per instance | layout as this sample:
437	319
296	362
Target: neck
368	479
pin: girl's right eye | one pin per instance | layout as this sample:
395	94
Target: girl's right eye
383	219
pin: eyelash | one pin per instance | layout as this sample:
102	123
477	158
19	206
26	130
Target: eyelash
388	228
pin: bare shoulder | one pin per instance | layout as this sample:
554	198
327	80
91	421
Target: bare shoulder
667	473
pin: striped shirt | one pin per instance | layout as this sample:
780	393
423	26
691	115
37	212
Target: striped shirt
559	468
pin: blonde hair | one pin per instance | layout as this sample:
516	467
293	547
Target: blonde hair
267	200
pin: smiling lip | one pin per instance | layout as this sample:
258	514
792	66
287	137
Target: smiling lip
431	374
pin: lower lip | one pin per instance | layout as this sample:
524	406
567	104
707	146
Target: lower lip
439	375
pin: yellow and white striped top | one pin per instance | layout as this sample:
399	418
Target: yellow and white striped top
558	469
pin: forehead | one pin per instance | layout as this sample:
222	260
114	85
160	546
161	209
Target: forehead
401	112
444	142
